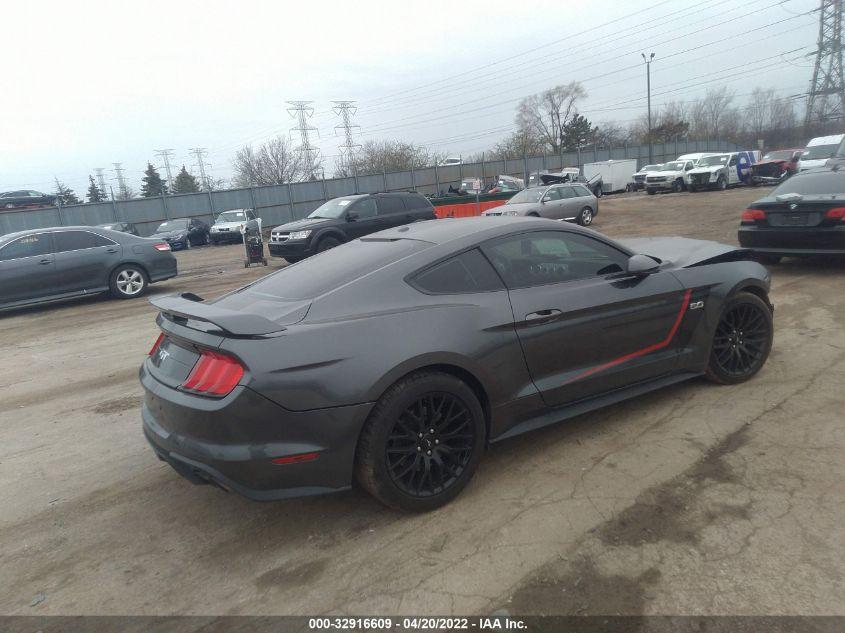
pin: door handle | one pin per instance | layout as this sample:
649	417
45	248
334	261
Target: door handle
542	315
111	250
44	262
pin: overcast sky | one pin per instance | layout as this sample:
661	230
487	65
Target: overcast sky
89	84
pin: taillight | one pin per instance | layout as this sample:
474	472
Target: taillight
751	215
214	374
156	344
163	246
836	213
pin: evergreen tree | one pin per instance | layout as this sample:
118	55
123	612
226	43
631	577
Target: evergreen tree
185	182
65	194
151	184
94	193
577	132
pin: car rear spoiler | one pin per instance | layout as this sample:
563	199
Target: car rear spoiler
190	306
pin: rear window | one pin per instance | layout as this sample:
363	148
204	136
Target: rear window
813	183
324	272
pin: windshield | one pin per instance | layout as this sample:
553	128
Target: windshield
709	161
813	183
106	226
780	155
527	195
650	168
232	216
818	152
675	166
332	209
172	225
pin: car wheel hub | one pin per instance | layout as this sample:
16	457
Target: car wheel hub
130	282
740	341
430	445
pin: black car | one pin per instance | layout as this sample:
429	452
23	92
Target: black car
183	233
123	227
26	198
805	215
343	219
396	358
63	262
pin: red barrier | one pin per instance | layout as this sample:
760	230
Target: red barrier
466	209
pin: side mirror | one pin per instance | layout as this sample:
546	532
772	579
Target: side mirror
351	216
641	265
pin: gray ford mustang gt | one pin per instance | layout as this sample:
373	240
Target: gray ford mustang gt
395	359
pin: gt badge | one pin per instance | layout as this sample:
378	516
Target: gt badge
695	305
162	355
793	206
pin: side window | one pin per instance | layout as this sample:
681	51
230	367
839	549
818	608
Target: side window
390	205
77	240
467	272
688	166
566	193
26	246
552	194
365	208
733	161
581	191
412	203
545	257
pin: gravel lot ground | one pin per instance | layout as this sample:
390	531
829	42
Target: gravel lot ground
695	500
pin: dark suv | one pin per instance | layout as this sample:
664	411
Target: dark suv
347	218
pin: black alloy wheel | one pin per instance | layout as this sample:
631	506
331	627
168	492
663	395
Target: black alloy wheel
430	445
422	442
742	341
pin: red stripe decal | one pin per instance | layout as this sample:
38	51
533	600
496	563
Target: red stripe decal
646	350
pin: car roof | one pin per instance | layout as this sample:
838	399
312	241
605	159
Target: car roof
825	140
49	229
479	228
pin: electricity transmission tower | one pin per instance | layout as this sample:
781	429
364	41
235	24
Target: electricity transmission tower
345	110
165	155
121	181
826	98
200	153
101	179
302	111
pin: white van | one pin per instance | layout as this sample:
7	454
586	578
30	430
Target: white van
818	150
721	171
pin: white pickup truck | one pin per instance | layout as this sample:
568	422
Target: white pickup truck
721	171
670	177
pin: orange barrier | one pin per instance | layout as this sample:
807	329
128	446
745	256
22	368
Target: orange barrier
466	209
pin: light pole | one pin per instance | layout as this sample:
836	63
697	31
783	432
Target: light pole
647	61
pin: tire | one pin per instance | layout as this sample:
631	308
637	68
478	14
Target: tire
393	441
215	243
293	260
585	217
128	282
721	183
742	340
692	189
650	192
326	243
677	186
769	260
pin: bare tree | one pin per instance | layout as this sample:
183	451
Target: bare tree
380	156
716	110
546	115
520	143
272	163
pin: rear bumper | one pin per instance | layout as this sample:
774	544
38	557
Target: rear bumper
794	241
231	442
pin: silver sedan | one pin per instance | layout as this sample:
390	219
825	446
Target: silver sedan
570	202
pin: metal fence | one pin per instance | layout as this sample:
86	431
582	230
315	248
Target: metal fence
278	204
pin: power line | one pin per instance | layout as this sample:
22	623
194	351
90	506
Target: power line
200	154
165	155
121	181
346	110
101	179
302	111
826	99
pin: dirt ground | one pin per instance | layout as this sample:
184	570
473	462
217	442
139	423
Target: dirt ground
695	500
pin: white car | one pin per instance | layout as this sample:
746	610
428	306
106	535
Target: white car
819	150
229	224
451	161
639	176
670	177
721	171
